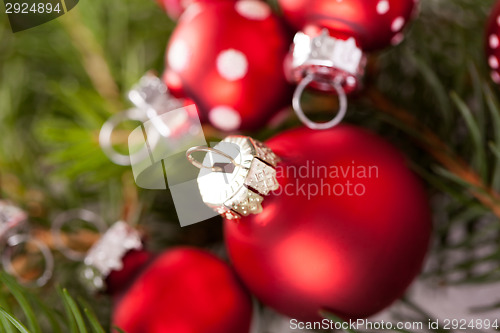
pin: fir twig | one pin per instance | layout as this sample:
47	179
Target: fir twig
93	58
439	150
33	310
23	303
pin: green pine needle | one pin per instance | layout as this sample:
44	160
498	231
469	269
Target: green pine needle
23	302
75	311
20	327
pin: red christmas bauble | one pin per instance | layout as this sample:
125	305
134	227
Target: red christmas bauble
493	43
185	290
374	24
175	8
347	231
133	262
229	58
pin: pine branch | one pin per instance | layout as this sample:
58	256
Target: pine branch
93	58
30	304
438	149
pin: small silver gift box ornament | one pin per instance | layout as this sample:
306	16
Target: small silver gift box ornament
106	255
11	218
235	175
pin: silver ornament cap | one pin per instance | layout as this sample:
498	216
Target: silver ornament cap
106	255
151	94
328	59
237	188
11	218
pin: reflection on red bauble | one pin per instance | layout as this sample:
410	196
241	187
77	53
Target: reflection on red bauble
173	83
346	232
185	290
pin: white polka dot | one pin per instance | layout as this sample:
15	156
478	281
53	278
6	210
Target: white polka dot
253	9
493	41
495	77
178	55
493	62
232	65
225	118
351	81
383	7
398	38
397	24
498	20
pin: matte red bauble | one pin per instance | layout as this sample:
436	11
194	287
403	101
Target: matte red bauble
228	57
347	230
185	290
493	43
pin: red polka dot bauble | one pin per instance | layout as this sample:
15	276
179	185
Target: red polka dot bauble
493	43
185	290
228	57
335	34
175	8
347	230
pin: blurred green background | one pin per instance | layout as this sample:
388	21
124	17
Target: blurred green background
60	81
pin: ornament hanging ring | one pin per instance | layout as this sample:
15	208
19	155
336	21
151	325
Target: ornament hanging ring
300	112
72	215
107	130
44	250
199	165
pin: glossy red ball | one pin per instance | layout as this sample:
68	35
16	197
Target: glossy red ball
228	57
347	231
185	290
375	24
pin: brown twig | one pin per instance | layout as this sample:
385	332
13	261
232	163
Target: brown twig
80	241
440	151
26	267
131	205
